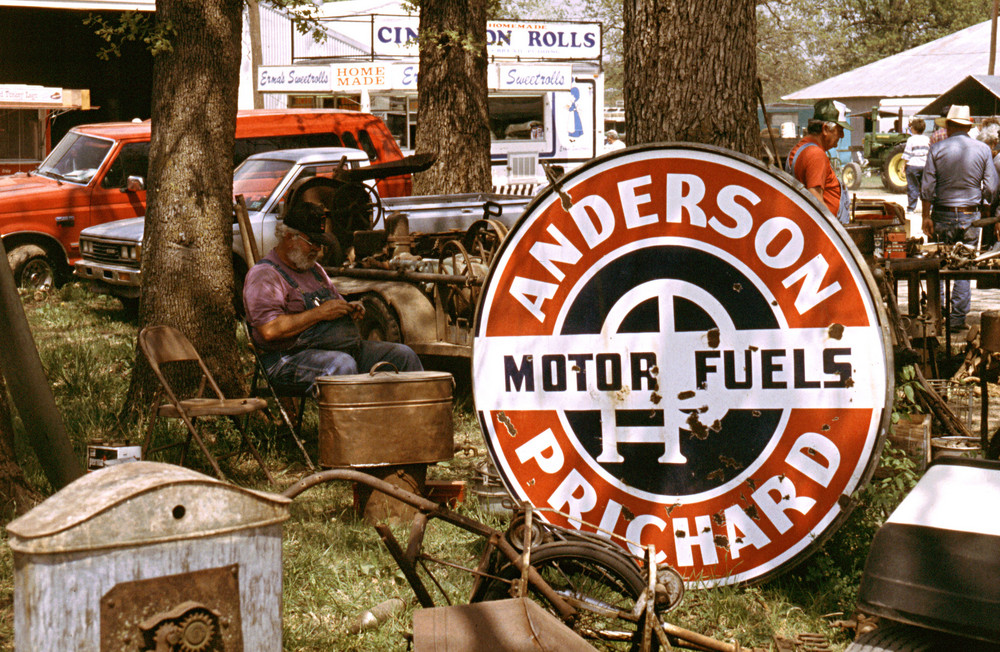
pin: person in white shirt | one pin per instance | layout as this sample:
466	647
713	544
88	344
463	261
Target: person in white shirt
611	142
915	156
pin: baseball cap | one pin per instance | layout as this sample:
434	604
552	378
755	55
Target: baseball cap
828	111
309	219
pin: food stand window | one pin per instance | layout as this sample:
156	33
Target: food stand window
517	117
20	135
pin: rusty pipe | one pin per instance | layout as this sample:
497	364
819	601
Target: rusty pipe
402	275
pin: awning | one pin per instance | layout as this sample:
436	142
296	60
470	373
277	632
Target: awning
84	5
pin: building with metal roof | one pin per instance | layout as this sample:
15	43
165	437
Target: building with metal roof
911	79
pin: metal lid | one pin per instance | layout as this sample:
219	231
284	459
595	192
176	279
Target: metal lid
141	503
387	376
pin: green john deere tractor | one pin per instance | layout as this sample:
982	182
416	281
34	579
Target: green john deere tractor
882	152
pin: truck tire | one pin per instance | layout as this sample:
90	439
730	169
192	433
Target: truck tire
897	637
379	323
32	267
850	174
894	169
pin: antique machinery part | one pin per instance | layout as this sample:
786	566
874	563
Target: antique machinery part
187	627
669	588
397	223
482	239
458	301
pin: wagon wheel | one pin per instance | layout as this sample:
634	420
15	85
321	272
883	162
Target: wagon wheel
483	238
459	300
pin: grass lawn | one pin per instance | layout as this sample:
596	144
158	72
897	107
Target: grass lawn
335	566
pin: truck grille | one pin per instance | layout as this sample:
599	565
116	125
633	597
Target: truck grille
108	252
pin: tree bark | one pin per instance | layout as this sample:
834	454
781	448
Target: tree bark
16	495
691	73
452	111
187	271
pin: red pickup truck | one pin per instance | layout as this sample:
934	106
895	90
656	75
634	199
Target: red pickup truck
97	173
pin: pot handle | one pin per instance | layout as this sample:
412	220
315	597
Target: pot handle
384	363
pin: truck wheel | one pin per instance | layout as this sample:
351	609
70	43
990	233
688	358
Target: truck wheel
379	323
896	637
32	267
851	176
894	170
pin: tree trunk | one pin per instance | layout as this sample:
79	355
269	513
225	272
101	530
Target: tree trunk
452	113
187	271
16	495
691	73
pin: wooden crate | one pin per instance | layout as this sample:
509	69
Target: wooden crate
912	435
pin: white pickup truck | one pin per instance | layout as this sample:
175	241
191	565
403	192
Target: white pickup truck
419	278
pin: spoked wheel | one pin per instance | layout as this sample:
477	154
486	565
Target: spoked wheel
482	239
601	585
459	299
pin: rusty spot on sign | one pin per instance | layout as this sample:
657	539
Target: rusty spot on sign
717	474
627	514
737	287
722	541
730	462
836	331
713	338
655	398
683	396
719	518
505	420
696	427
680	534
752	484
751	511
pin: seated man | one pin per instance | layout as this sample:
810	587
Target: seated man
301	324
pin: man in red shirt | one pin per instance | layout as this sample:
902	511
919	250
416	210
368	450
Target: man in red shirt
810	164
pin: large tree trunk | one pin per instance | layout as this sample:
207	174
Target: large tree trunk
452	113
16	495
691	73
187	272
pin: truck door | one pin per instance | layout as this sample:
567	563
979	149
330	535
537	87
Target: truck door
111	200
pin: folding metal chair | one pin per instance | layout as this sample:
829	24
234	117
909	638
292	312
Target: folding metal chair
262	387
162	345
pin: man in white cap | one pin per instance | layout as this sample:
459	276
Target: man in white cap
958	175
809	163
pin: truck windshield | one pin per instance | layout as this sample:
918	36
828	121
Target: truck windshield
255	179
76	158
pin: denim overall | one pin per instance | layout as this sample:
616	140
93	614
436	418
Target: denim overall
340	334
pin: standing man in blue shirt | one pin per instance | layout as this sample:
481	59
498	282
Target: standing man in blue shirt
958	175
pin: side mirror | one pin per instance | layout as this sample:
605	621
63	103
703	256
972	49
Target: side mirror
135	184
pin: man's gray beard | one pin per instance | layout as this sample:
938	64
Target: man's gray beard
302	261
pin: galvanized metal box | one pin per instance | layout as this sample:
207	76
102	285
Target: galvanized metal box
134	554
385	418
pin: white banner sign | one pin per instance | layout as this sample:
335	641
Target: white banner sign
397	36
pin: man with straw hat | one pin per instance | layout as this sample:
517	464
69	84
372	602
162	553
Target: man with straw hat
809	163
959	174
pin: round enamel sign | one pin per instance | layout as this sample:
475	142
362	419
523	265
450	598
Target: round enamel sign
681	348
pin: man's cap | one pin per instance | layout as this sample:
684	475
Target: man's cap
828	111
309	218
611	133
957	113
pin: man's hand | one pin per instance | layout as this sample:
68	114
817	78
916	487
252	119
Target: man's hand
335	309
357	310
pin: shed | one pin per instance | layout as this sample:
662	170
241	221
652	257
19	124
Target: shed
981	93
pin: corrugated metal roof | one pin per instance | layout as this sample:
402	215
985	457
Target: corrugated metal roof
926	70
84	5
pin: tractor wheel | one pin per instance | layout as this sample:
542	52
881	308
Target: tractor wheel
380	323
894	170
851	175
